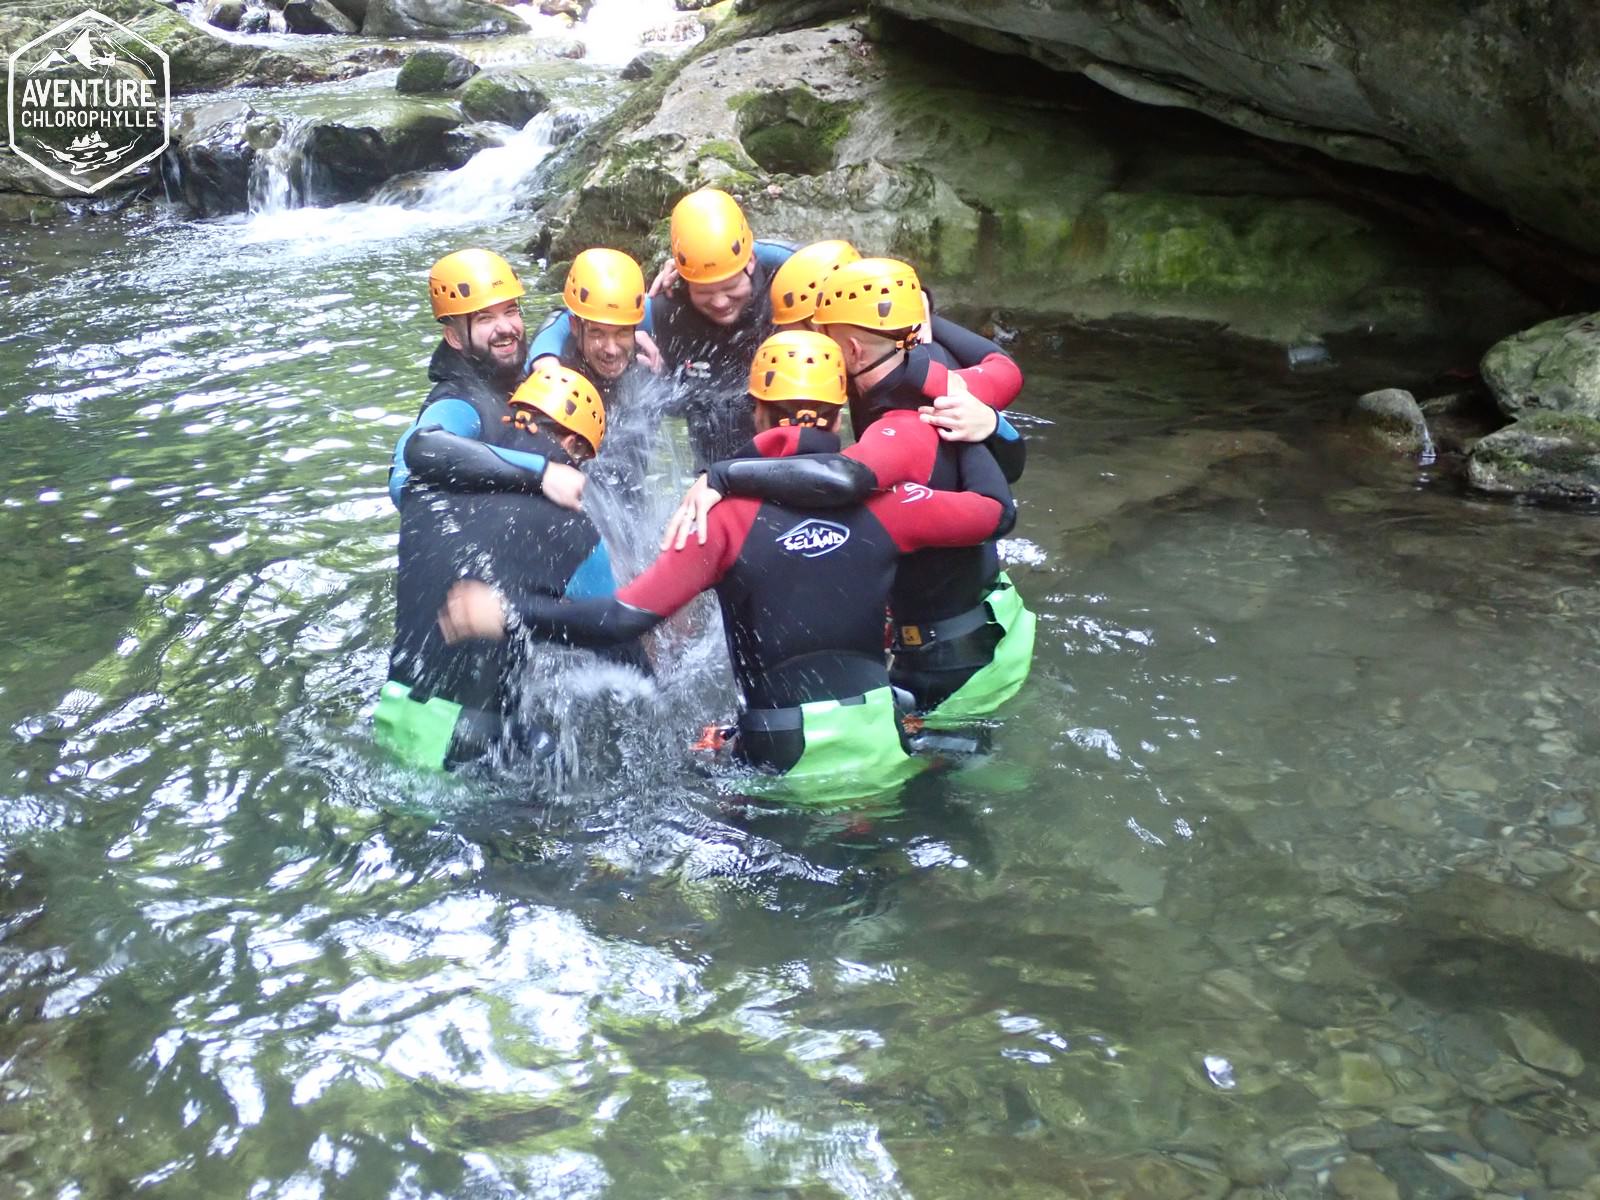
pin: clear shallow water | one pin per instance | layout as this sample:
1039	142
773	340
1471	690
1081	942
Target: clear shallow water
1190	923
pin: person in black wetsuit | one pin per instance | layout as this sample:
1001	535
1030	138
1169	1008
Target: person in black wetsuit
802	589
476	366
963	638
448	704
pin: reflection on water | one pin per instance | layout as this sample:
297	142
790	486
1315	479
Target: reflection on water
1283	865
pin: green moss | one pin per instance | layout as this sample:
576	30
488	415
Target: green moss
792	131
1575	426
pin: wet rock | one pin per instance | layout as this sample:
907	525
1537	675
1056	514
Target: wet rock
1539	1048
315	16
1418	1178
1578	889
1309	1147
226	14
1354	1080
462	143
1553	367
645	64
213	149
1393	418
1401	87
439	19
1472	1173
356	10
1360	1179
1379	1135
820	134
346	158
1544	456
1445	1141
573	10
1567	1162
1250	1161
1471	906
505	95
434	70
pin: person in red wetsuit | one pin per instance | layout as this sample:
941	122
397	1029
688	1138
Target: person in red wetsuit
803	589
963	639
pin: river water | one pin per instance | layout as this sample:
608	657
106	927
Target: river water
1282	864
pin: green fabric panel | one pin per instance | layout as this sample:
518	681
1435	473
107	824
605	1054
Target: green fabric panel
996	683
853	752
418	734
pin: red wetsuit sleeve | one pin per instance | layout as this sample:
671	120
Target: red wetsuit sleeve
996	380
678	576
918	518
899	447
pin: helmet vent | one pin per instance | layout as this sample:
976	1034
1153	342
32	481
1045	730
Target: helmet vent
464	290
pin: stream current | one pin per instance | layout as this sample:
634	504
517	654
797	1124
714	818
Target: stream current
1195	924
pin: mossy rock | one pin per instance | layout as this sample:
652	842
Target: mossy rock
431	71
507	96
1555	367
1543	456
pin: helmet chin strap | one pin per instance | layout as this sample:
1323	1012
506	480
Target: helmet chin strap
897	348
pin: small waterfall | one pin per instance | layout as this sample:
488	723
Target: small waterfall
278	174
488	186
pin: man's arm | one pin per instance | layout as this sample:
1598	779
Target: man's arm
796	472
918	518
452	416
988	372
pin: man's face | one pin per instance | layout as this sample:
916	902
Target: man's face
493	337
723	303
608	349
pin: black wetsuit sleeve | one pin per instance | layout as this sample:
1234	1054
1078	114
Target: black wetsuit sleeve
801	480
602	621
1011	453
980	473
453	463
967	348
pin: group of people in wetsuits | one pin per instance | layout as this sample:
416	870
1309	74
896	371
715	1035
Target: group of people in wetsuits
858	586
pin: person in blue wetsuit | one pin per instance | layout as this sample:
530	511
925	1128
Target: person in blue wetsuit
446	705
713	313
478	363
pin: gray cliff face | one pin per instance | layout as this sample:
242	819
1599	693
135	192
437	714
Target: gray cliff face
1500	98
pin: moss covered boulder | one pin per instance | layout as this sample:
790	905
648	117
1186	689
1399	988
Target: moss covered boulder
506	95
433	70
1555	367
1543	456
1005	187
348	157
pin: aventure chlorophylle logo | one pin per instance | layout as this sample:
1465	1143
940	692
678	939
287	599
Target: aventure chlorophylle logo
88	101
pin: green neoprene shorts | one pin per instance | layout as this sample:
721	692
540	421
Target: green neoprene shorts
852	752
1007	670
417	733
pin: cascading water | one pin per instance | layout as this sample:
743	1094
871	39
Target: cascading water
485	189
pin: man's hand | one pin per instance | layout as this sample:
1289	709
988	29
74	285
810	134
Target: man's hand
472	609
563	485
649	355
691	516
665	278
959	416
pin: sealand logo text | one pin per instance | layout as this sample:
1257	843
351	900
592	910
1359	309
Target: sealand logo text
88	102
813	538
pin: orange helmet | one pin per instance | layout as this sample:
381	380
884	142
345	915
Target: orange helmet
795	286
605	286
711	239
799	366
874	293
470	280
567	398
